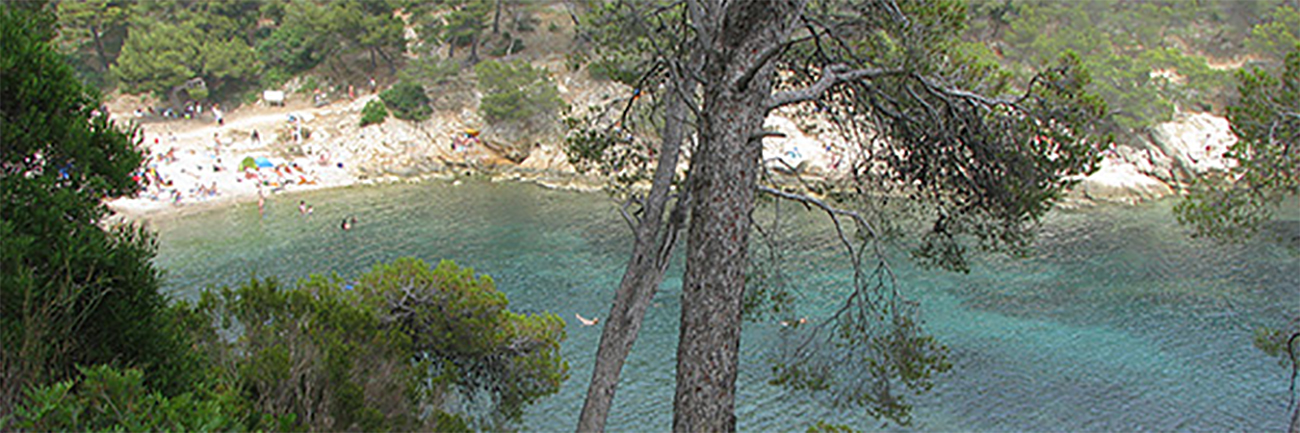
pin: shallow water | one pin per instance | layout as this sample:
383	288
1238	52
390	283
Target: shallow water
1117	322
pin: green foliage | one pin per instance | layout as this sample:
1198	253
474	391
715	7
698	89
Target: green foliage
611	152
517	92
75	290
1279	344
1233	205
461	26
372	354
460	324
160	55
407	101
622	41
93	30
106	398
1277	35
300	42
316	355
430	70
373	113
1122	46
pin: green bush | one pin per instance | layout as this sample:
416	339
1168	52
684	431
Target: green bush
429	69
74	289
407	101
314	354
368	355
374	112
308	85
461	324
517	92
106	398
1276	35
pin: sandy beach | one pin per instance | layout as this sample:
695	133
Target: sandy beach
194	164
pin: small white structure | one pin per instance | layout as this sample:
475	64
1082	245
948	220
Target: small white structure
273	97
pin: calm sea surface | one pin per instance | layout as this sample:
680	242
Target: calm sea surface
1117	321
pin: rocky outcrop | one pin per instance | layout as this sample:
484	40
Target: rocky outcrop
1120	182
1161	161
1180	150
1195	143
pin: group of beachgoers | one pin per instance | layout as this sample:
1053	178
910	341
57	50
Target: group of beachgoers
165	176
190	110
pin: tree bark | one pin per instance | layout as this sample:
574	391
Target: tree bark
724	175
99	47
1295	420
645	271
496	19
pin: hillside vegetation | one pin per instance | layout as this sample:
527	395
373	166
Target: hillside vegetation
1148	58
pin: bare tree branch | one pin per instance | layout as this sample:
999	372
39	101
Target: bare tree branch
742	82
831	75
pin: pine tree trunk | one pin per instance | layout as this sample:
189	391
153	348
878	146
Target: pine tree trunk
724	175
1295	420
473	50
99	47
496	19
645	271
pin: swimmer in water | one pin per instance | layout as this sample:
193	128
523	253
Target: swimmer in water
585	321
801	321
347	225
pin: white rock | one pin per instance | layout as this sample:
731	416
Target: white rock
1196	143
1121	182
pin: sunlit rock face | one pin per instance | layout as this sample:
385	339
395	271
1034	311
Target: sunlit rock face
1170	156
1194	144
1121	182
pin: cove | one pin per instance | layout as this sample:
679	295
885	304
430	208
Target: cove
1115	322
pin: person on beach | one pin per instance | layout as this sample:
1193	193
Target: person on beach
261	203
257	139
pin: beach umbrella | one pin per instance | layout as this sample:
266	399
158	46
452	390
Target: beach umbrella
262	162
247	163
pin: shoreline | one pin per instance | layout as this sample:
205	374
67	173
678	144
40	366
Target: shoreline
201	164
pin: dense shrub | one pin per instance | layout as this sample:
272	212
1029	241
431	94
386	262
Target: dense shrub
370	354
430	69
407	101
374	112
106	398
461	324
314	354
74	289
517	92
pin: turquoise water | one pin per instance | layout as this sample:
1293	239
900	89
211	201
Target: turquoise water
1117	322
